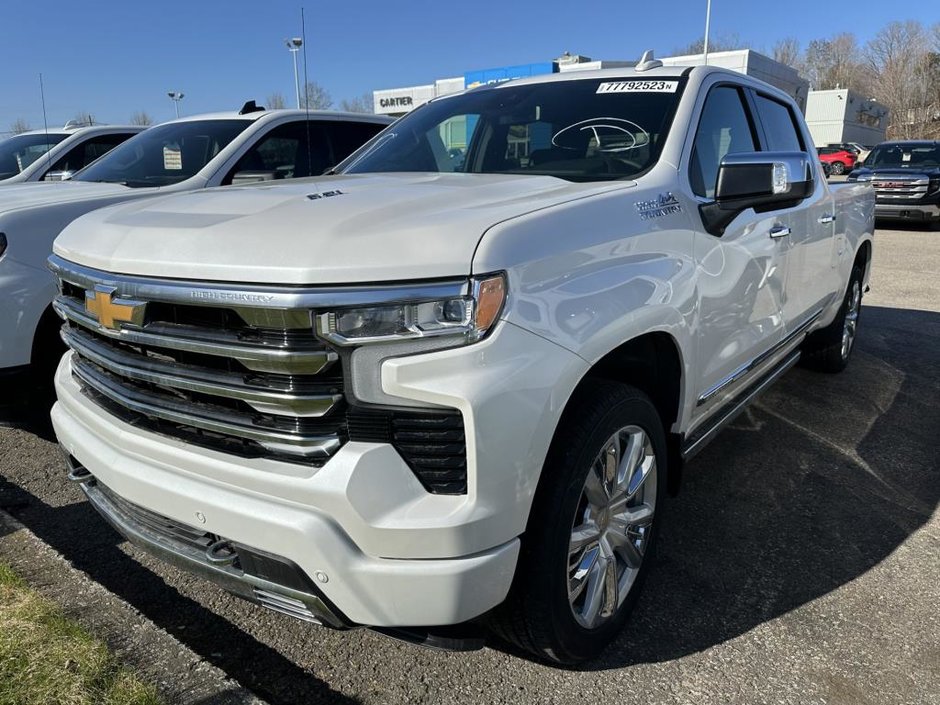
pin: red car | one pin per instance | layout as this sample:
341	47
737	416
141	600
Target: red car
839	160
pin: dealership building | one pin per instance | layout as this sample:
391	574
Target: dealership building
398	101
842	115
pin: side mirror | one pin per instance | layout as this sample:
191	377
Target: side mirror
760	180
57	176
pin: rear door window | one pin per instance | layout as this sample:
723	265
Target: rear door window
779	126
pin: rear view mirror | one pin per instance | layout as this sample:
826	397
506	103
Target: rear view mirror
759	180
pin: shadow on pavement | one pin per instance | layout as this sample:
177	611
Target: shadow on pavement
813	486
26	405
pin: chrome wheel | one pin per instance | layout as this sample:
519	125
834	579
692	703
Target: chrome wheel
851	319
838	168
611	526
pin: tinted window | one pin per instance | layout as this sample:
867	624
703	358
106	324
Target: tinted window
285	153
18	152
779	127
164	155
905	155
84	154
579	130
723	129
347	137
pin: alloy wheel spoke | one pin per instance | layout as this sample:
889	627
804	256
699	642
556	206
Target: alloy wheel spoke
624	547
583	536
633	456
595	488
595	591
640	515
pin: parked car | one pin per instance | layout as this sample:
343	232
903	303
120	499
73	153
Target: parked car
906	179
425	391
183	155
839	160
54	155
860	150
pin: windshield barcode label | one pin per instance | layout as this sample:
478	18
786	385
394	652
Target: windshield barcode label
638	87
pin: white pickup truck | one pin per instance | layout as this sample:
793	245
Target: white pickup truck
456	380
183	155
54	155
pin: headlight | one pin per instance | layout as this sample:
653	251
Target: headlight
469	317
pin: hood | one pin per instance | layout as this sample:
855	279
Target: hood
40	193
910	172
347	229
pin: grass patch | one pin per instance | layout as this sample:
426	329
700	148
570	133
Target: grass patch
46	658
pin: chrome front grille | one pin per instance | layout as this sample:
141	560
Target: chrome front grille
208	371
900	188
242	372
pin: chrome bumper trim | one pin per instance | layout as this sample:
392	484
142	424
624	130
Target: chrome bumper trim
234	424
193	379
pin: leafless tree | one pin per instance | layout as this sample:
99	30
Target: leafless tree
361	104
836	62
19	126
276	101
316	97
787	51
906	73
722	42
141	118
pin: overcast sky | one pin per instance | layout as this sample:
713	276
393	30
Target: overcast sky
113	58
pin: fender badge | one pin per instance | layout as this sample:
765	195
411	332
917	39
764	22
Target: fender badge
664	204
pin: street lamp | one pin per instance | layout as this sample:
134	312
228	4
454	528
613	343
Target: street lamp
176	97
293	46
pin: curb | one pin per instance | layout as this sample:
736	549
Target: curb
180	675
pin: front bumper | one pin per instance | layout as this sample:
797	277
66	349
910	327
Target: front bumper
379	549
899	211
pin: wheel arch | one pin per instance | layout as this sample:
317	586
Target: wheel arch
653	363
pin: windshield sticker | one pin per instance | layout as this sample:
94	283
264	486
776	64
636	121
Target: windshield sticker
638	87
172	159
664	204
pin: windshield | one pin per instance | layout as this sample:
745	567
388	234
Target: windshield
18	152
579	130
164	155
904	155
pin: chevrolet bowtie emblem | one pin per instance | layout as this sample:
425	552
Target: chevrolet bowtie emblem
111	312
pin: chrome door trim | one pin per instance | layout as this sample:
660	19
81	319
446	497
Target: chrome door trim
750	366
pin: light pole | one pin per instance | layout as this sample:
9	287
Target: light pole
176	97
708	20
293	45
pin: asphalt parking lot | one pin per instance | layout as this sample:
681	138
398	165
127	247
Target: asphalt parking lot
800	563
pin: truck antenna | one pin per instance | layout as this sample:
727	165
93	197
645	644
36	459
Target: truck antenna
303	34
45	122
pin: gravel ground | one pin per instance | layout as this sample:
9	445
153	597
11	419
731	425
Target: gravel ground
800	563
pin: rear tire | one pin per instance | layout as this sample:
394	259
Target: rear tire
592	527
829	349
838	168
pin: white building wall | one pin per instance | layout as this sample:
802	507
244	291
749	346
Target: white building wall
751	63
841	115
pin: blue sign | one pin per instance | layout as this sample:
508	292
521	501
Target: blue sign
472	79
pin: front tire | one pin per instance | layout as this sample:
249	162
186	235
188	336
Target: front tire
838	168
592	528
